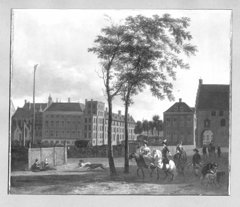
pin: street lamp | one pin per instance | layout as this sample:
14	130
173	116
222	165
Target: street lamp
35	68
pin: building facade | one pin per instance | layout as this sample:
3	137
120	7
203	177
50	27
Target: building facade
63	122
212	114
22	123
67	122
96	125
179	124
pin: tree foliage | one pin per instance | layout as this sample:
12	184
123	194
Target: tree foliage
142	52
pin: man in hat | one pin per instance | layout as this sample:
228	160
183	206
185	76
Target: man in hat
165	153
145	151
196	158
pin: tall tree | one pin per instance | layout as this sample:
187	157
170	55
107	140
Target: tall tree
138	128
145	126
159	126
151	56
157	123
107	48
151	126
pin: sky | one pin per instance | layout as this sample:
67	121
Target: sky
58	41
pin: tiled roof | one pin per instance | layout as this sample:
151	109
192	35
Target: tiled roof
38	106
213	97
66	107
118	117
180	107
22	113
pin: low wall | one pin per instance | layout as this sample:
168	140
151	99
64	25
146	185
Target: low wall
54	155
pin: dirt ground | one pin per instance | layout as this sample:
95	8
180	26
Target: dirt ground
69	179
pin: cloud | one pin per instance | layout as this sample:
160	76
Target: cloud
58	41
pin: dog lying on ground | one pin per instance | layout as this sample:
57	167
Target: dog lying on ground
90	166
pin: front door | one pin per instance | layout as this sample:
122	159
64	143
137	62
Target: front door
207	137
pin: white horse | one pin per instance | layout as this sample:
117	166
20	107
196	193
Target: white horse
170	168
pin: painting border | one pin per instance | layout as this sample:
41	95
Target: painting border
5	8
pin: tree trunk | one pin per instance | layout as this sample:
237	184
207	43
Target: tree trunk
126	163
110	148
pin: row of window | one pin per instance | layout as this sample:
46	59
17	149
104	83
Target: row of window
58	116
63	133
58	142
117	138
62	123
207	123
214	113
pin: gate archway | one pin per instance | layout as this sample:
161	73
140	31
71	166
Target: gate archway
207	137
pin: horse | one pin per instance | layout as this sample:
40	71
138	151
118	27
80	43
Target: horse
170	168
141	164
180	159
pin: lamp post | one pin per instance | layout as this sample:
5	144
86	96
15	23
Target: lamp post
34	72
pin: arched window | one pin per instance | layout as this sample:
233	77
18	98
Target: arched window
206	123
223	123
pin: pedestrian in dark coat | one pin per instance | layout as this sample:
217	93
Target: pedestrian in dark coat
219	151
196	158
165	152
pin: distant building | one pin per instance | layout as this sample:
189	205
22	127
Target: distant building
179	124
212	114
96	124
22	121
63	122
59	122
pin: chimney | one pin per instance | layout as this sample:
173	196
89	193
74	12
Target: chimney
85	101
200	81
69	100
180	100
119	112
25	101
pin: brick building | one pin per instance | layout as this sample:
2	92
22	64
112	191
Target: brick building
63	122
96	124
212	114
179	124
22	123
57	122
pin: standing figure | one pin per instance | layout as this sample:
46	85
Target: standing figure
204	151
196	160
219	151
179	148
165	153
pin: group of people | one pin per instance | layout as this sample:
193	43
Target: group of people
145	151
210	150
40	166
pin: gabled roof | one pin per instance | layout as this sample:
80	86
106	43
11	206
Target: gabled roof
66	107
179	107
38	106
22	113
119	117
212	96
